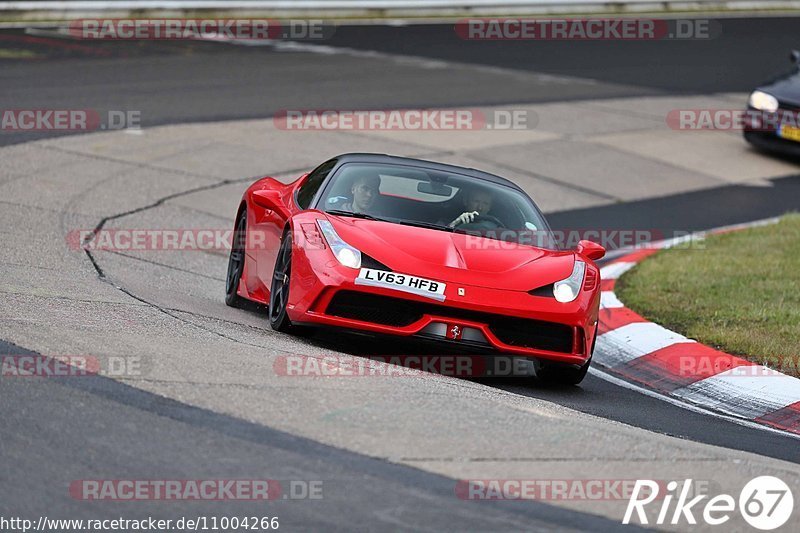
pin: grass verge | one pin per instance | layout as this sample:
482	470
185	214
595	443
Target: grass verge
738	292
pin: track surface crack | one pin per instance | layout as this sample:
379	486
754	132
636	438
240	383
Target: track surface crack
102	275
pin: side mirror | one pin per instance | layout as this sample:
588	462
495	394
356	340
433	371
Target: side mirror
590	249
266	198
794	57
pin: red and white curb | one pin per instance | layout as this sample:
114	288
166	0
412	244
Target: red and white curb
642	352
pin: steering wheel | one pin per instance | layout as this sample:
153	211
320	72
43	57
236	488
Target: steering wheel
482	222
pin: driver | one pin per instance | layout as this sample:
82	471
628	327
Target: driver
364	190
477	202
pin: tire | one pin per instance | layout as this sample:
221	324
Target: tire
556	374
236	263
561	374
279	289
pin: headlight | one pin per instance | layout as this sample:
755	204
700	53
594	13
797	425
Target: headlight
567	290
763	101
344	253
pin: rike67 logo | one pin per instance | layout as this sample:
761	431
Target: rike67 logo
766	503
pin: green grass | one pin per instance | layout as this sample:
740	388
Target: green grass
738	292
11	53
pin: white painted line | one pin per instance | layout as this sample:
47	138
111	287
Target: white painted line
289	4
689	407
615	270
632	341
609	300
746	225
749	396
415	61
738	395
376	4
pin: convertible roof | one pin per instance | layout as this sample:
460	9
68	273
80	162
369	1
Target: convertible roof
421	163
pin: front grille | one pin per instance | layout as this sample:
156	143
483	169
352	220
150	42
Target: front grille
373	308
397	312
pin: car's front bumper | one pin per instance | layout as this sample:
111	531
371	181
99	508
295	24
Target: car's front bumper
767	136
490	321
771	142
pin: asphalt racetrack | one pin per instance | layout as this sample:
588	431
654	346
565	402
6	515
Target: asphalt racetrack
207	403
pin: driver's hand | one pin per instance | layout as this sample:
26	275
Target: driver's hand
464	218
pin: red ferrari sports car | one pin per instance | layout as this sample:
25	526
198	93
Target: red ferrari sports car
413	248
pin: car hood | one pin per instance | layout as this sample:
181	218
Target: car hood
786	89
455	257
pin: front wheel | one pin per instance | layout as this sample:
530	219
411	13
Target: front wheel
279	290
236	263
560	374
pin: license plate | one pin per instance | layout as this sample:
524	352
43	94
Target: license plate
790	132
402	282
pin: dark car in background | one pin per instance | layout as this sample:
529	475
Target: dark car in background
773	119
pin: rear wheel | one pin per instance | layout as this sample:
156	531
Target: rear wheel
236	263
279	290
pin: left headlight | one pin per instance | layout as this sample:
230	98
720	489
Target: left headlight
344	253
568	289
763	101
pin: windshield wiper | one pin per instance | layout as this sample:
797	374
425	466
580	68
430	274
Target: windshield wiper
354	215
429	225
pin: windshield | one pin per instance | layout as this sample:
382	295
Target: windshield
438	200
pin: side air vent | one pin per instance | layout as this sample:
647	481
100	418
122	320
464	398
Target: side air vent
369	262
545	291
591	280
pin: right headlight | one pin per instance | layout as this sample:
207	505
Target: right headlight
568	289
763	101
347	255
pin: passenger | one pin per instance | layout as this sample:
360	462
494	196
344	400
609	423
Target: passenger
364	190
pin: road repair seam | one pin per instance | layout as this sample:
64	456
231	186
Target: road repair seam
637	350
